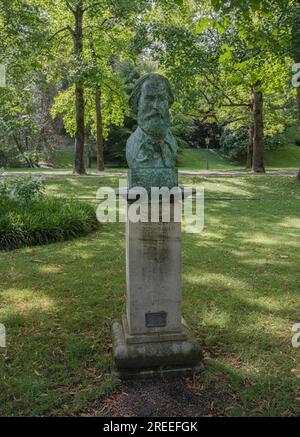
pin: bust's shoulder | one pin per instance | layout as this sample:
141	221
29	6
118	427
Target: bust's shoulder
171	140
133	145
137	135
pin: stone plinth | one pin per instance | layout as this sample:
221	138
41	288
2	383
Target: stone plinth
152	337
153	265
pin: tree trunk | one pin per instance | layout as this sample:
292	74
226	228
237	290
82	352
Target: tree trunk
295	41
298	101
79	136
99	121
296	52
79	166
250	147
88	151
21	151
258	129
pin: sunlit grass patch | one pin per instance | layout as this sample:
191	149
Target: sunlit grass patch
241	285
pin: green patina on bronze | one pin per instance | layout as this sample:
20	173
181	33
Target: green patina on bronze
151	149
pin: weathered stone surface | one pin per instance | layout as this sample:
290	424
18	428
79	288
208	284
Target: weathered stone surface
154	357
151	338
153	272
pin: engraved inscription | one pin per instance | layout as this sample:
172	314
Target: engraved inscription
156	320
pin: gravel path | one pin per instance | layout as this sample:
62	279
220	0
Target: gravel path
181	172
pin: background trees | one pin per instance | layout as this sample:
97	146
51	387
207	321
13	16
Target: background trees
226	62
75	61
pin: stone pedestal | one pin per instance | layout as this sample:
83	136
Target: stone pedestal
151	337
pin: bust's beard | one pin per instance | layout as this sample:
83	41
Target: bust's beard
155	127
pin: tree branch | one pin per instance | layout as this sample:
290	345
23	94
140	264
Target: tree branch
248	105
233	120
70	7
92	6
62	30
231	103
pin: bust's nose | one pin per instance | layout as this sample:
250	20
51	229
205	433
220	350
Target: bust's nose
156	103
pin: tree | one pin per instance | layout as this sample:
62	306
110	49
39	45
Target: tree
23	123
258	129
90	23
226	63
296	46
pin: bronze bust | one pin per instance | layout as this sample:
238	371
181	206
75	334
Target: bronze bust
152	145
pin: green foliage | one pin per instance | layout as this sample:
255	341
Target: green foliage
212	52
43	222
28	217
199	131
241	305
234	144
115	145
22	190
27	191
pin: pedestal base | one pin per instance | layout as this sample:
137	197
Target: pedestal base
156	356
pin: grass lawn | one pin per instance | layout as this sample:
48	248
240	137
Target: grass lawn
195	159
64	158
287	157
241	294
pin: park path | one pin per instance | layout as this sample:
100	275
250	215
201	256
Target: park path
124	173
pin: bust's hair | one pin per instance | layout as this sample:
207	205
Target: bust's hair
137	90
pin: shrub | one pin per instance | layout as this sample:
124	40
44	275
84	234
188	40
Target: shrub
115	145
25	191
196	136
273	142
234	144
43	221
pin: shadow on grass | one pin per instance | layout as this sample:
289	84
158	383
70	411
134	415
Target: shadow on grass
241	297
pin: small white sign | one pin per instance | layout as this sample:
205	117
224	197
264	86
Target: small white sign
2	335
2	75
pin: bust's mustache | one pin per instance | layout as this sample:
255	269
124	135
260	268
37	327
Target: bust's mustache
154	115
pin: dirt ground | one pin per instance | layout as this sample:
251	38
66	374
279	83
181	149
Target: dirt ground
162	397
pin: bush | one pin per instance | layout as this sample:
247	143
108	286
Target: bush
273	142
22	190
29	219
199	131
115	145
234	144
26	191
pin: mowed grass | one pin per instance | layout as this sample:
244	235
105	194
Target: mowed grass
196	159
64	158
286	157
241	297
